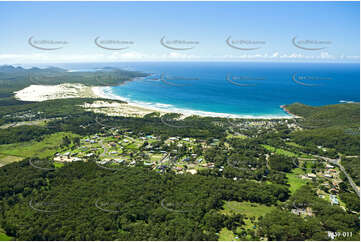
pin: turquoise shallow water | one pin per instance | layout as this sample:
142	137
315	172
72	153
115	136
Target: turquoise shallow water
252	89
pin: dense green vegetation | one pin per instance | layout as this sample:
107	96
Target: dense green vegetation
4	237
15	77
250	193
352	166
282	163
283	225
334	126
338	115
145	205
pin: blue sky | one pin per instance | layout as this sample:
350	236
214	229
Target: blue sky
265	27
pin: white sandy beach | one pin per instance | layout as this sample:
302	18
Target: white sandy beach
38	93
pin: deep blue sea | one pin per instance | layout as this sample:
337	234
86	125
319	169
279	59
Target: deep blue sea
247	89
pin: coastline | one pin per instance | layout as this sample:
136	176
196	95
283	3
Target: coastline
105	92
38	93
288	111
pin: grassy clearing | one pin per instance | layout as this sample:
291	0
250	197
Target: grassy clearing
47	147
279	151
294	144
240	136
7	159
249	210
295	181
3	236
226	235
58	165
246	208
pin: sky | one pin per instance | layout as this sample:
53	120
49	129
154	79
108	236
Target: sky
59	32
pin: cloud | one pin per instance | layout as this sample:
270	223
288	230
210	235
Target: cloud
177	55
112	56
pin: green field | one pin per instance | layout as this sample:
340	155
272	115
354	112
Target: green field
247	209
58	165
294	181
3	236
226	235
47	147
7	159
240	136
294	144
279	151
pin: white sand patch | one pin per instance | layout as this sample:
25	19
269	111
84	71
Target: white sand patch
117	109
38	93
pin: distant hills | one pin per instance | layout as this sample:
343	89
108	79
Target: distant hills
17	77
336	115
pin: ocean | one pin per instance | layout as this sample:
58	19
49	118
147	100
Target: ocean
236	88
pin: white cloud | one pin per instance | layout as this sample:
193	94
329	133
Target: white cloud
52	57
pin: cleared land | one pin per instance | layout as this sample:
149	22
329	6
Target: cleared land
6	159
279	151
251	211
47	147
3	236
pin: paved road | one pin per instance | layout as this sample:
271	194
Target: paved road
337	162
104	147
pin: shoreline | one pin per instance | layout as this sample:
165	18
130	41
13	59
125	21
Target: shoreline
288	111
105	92
38	93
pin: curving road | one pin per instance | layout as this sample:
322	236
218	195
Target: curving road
104	148
337	162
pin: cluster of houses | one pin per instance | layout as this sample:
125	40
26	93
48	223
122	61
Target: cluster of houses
309	176
334	200
331	183
66	157
302	211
